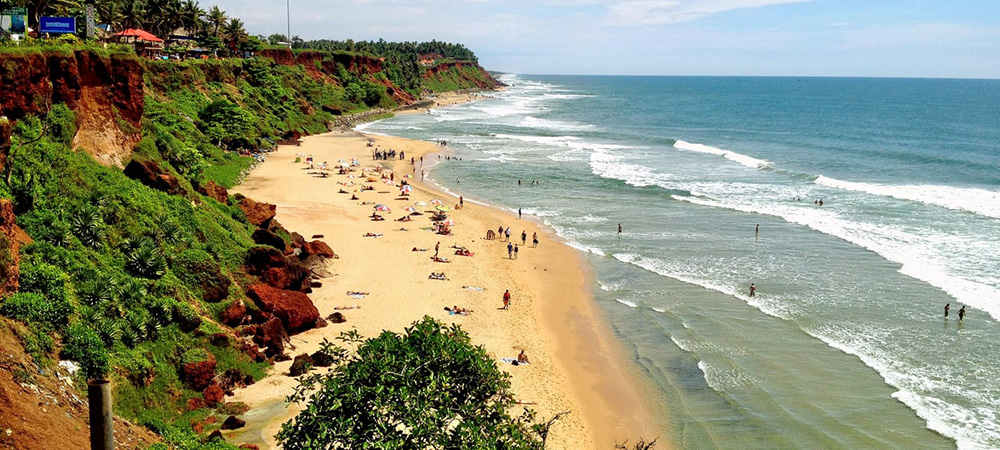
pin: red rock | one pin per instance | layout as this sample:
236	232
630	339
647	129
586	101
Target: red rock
234	314
151	174
199	374
258	214
212	190
213	396
259	259
195	403
249	447
272	336
318	248
233	423
294	308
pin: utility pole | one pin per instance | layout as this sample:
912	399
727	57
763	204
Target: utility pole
288	17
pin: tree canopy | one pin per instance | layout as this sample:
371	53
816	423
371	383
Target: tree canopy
428	387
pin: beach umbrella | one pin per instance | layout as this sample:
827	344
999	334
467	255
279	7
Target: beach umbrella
350	176
421	203
341	160
382	208
406	188
410	209
449	223
436	202
442	208
388	181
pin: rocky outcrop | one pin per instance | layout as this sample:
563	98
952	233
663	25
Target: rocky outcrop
213	396
233	423
277	270
151	174
106	92
234	314
12	237
268	238
294	308
212	190
316	248
301	365
198	374
258	214
272	336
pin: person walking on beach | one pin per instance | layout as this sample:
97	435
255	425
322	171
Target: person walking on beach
534	240
519	213
961	314
510	251
619	228
436	248
461	201
506	299
524	237
947	306
753	290
506	234
515	251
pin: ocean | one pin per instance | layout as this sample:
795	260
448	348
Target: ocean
845	344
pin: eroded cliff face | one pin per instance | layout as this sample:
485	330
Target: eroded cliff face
105	92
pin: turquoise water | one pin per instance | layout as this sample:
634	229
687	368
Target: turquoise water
845	345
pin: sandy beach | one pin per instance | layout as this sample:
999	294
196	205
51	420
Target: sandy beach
576	363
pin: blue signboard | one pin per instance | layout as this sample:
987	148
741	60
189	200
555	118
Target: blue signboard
57	25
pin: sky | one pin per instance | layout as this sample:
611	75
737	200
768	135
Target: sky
879	38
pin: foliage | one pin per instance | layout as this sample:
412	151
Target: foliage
225	122
426	388
85	346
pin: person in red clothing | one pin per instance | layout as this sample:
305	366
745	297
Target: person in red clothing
506	299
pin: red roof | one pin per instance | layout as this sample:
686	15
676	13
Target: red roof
140	34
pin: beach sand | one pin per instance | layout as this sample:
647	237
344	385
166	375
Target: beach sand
576	365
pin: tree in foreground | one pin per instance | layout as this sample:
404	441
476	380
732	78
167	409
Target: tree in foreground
426	388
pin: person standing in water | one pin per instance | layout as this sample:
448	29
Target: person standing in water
947	306
519	213
619	228
961	314
756	231
753	290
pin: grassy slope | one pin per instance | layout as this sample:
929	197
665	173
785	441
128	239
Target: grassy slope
106	278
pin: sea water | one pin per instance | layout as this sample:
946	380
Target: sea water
845	344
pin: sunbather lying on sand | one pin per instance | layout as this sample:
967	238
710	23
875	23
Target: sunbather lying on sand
356	293
437	276
521	359
440	259
373	235
344	308
354	197
458	310
474	288
404	219
464	252
420	249
376	217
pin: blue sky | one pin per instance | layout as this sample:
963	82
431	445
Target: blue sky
916	38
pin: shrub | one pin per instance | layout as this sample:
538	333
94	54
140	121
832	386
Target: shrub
434	387
145	259
84	346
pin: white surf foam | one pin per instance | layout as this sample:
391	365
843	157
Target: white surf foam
745	160
977	201
549	124
627	303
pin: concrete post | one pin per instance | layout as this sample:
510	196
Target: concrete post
101	419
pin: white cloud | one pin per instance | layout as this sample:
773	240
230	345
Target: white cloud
665	12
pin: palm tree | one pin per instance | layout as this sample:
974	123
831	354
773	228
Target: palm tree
133	14
190	17
216	20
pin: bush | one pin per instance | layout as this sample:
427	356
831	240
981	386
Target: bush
44	298
145	259
85	346
434	387
225	122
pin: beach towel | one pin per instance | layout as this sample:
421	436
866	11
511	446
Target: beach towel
474	288
512	361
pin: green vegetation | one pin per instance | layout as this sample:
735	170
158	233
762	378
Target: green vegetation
426	388
453	78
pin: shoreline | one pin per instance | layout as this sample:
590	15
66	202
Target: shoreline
577	362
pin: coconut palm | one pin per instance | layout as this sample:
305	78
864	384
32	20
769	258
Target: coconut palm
216	19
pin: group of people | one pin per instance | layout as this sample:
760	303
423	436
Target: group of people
385	155
961	312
